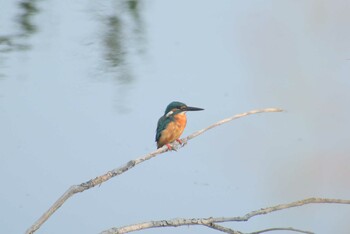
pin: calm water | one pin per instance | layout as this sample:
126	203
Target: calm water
83	84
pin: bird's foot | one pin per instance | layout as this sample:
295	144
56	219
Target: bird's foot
176	147
182	143
170	147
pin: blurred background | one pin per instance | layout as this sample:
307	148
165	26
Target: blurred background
82	85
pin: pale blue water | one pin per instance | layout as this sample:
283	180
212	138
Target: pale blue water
82	85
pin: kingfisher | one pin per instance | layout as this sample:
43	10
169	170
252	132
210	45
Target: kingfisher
172	123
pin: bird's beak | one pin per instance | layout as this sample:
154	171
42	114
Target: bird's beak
190	108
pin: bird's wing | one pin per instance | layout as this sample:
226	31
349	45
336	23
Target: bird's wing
162	123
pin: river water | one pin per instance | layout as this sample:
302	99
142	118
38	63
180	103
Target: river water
82	85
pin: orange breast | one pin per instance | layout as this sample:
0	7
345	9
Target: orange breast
173	131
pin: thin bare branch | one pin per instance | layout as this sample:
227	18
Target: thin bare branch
207	221
282	229
195	134
120	170
313	200
222	228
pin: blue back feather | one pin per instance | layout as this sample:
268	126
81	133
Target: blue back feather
162	124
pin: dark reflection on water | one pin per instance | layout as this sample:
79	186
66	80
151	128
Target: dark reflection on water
123	38
25	18
16	41
135	9
11	42
113	41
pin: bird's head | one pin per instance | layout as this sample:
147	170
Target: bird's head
178	107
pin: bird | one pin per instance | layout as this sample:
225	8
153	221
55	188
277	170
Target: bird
171	125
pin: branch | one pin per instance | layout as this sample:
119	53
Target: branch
195	134
120	170
209	221
282	229
230	231
222	228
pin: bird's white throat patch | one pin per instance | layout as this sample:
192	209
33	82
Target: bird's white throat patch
172	112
